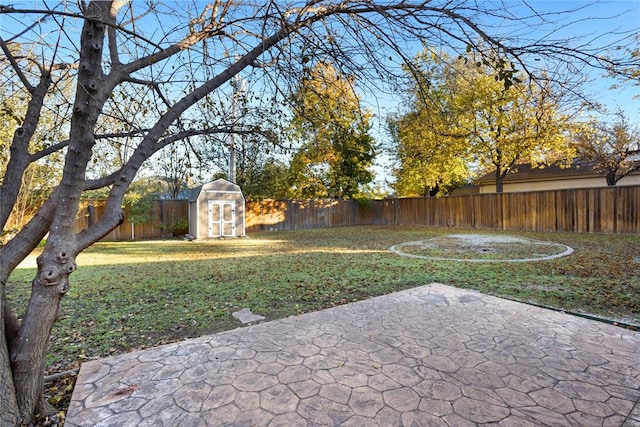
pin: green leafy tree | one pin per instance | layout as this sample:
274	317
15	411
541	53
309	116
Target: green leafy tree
337	150
472	113
509	124
430	138
264	180
260	172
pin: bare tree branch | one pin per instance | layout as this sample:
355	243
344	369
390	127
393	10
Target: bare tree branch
12	10
15	66
140	76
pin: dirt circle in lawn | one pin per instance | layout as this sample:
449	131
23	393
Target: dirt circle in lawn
482	248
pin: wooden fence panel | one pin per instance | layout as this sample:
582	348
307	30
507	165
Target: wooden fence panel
441	212
368	211
168	217
174	216
402	212
628	210
591	210
410	214
338	213
468	218
607	211
387	211
564	202
582	212
547	211
485	208
297	214
510	209
266	215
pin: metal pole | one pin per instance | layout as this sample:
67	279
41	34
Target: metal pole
231	176
238	88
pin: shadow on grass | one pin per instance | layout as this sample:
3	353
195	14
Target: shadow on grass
138	294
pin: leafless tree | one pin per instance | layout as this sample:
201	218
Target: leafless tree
140	68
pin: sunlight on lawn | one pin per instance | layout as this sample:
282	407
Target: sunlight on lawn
158	251
338	251
127	295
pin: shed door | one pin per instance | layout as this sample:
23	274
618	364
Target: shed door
222	219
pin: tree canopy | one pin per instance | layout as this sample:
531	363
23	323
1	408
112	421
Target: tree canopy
462	114
133	75
614	148
430	137
336	150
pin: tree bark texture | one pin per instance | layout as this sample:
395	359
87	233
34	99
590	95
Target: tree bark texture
57	261
499	183
19	159
8	402
29	351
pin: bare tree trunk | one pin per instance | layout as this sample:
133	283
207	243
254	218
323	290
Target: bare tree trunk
8	402
12	253
57	261
28	354
499	184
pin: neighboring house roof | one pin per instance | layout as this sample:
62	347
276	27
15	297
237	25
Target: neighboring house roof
465	190
527	173
182	195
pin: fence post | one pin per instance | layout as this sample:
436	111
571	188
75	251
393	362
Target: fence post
396	215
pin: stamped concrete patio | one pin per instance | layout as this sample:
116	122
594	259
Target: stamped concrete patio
430	356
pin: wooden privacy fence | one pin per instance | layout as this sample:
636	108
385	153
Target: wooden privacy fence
167	218
590	210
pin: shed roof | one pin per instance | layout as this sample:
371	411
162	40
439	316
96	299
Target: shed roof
220	184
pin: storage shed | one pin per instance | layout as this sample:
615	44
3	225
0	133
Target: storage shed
216	209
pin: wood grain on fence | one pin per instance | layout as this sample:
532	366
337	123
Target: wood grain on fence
590	210
167	218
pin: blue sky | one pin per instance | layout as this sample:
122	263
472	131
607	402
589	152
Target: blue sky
596	23
601	22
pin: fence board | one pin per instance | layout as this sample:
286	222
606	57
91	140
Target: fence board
629	212
599	210
592	210
168	217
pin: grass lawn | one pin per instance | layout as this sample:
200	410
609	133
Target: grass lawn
137	294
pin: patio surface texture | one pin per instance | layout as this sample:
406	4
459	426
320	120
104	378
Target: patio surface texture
429	356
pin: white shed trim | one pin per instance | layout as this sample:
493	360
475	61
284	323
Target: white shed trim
222	191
